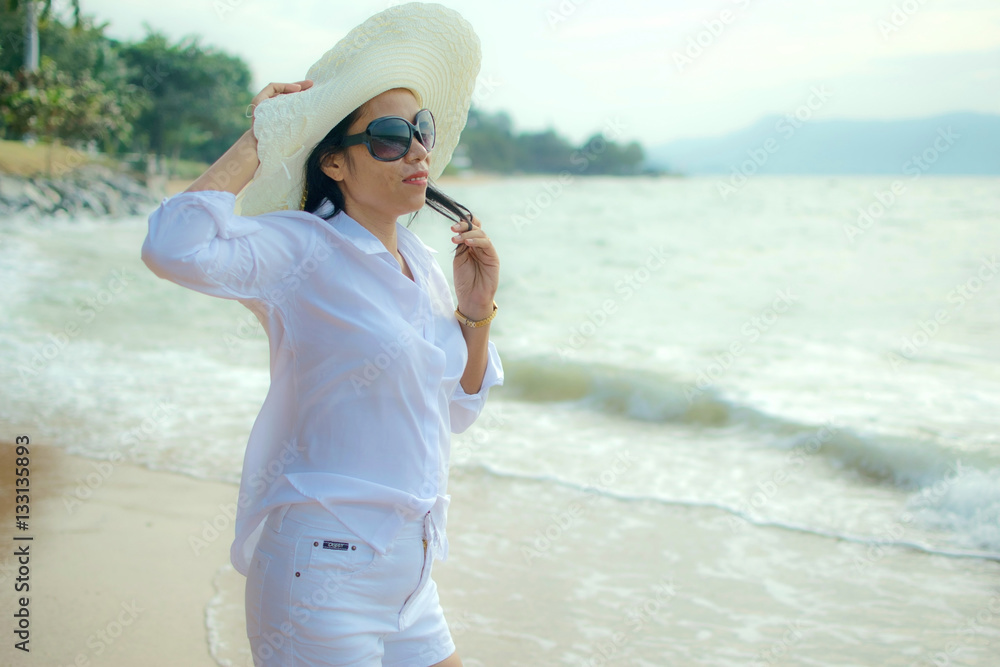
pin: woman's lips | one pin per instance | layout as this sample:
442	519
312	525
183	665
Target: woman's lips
420	178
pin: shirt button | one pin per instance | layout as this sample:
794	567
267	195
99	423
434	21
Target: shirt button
353	548
298	574
315	544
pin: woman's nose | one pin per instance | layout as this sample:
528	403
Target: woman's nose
417	150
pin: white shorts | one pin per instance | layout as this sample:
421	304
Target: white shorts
318	595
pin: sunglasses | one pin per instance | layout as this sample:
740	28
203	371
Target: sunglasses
389	138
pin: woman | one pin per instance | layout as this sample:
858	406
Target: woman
343	499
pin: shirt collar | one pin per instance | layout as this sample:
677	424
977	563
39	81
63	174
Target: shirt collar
367	242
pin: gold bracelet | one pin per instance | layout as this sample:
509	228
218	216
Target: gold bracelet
476	323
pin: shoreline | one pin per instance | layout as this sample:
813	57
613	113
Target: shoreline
94	190
113	576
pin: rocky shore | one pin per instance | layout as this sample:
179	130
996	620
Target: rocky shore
90	190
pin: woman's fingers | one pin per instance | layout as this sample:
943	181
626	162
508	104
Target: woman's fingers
274	89
292	87
463	226
466	235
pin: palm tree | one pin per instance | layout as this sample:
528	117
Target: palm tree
31	18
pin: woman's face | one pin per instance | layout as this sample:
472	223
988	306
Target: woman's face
373	189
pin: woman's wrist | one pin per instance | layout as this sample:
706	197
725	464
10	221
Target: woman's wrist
477	313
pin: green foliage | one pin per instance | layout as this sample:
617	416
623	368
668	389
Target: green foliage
492	146
489	142
55	105
187	101
80	91
198	96
178	99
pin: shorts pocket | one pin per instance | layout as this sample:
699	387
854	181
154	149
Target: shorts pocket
337	553
255	592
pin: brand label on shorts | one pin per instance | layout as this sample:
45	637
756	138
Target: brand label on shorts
336	546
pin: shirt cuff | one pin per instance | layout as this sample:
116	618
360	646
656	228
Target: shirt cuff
492	377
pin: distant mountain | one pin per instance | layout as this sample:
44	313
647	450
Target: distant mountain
956	143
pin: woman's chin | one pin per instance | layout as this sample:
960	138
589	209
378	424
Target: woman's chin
417	203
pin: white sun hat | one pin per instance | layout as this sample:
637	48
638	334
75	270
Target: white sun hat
424	47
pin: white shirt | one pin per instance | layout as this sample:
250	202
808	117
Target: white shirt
365	363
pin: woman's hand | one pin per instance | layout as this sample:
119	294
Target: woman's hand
232	171
274	89
476	270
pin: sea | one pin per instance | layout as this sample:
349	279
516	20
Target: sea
738	425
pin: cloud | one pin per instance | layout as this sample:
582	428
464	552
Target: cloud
614	58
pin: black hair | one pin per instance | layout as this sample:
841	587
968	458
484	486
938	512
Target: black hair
319	186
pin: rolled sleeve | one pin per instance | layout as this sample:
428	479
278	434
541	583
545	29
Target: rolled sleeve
196	240
466	408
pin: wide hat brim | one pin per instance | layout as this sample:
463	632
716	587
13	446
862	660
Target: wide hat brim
424	47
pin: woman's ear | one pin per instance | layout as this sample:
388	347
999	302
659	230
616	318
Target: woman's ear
334	166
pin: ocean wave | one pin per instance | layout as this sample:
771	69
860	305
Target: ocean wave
966	503
907	462
969	524
627	392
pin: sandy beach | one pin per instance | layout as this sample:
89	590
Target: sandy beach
114	578
127	568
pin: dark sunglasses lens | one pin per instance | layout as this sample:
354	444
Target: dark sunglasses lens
425	123
390	139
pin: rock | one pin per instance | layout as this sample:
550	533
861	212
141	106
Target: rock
93	190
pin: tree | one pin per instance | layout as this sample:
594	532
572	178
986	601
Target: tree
31	21
198	96
58	106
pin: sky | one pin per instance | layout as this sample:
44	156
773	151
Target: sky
646	70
